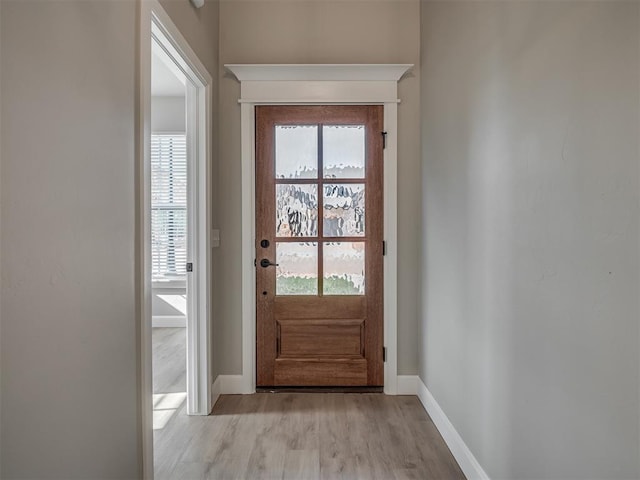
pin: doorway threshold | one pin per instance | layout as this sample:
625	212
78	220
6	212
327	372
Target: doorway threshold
294	389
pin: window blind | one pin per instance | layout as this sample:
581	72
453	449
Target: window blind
168	206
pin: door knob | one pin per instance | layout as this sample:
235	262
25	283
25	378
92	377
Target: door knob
264	263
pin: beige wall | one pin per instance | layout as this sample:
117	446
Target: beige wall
69	348
321	31
1	376
529	340
199	27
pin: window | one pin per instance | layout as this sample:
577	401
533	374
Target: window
168	206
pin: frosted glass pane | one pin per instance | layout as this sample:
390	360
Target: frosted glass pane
297	270
343	213
296	151
344	268
296	210
343	151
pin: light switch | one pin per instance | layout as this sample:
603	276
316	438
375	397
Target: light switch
215	238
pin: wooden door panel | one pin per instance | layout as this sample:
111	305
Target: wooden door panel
319	292
318	338
320	307
320	373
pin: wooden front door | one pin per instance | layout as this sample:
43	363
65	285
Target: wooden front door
319	245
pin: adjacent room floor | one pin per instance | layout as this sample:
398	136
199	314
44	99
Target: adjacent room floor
289	435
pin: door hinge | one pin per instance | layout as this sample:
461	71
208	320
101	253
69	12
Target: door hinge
384	247
255	262
384	140
189	267
384	354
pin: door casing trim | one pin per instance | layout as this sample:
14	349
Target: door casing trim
318	85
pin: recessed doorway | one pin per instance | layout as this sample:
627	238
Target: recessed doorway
175	205
169	235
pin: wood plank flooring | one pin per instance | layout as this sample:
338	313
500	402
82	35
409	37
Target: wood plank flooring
169	360
298	436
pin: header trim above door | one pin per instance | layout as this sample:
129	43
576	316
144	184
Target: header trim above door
306	85
311	84
319	72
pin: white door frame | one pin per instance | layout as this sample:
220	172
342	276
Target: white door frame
155	24
313	85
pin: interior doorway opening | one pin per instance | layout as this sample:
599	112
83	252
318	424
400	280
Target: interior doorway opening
175	228
169	236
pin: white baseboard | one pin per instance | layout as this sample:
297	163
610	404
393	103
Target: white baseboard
168	321
467	461
216	390
228	385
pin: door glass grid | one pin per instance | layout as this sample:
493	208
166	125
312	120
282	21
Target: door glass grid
296	210
343	148
343	272
297	270
296	151
325	213
343	210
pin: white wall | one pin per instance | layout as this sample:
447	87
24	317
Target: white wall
318	31
531	265
69	346
165	301
168	114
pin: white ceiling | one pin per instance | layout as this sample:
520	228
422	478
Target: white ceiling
166	79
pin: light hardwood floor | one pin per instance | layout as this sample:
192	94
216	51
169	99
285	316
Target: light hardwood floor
296	435
169	360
